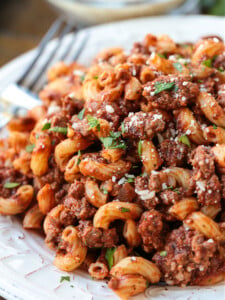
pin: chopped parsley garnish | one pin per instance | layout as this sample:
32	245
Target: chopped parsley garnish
178	66
214	126
113	141
82	77
64	278
176	88
169	187
123	127
46	126
185	140
78	160
147	284
161	55
109	256
209	62
62	130
130	180
140	148
95	77
30	147
163	86
221	69
105	191
81	114
11	185
93	122
176	190
124	209
163	253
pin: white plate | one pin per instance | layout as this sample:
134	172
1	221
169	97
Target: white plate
26	270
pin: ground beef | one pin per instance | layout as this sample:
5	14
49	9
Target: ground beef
181	94
144	125
53	235
152	230
186	256
61	193
202	160
173	153
82	128
67	217
126	193
208	85
209	190
169	197
114	112
219	62
71	106
59	120
81	209
11	175
139	48
97	238
222	180
54	176
221	95
145	197
76	189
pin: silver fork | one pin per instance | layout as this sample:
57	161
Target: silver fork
18	97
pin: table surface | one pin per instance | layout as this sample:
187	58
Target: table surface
22	24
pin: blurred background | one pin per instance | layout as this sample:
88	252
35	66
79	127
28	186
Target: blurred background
24	22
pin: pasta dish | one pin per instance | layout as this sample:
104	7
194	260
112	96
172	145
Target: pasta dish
122	166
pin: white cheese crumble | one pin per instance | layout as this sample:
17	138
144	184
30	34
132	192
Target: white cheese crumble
109	109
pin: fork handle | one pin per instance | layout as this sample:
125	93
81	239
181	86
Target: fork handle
14	98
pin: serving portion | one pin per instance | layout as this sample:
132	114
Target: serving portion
124	162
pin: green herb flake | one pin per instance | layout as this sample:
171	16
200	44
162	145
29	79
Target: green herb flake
30	148
109	256
176	190
163	86
130	180
113	141
221	69
176	88
37	136
147	284
140	148
11	185
163	253
169	187
95	77
64	278
58	129
207	63
81	114
124	209
104	191
93	122
214	126
78	160
178	66
46	126
161	55
82	77
72	286
185	140
123	128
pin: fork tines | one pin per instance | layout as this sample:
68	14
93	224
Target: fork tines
48	53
